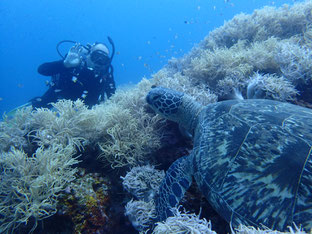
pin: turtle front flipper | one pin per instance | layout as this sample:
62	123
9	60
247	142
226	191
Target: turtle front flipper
178	179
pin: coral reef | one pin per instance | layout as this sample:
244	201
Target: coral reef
199	91
128	133
85	201
121	128
295	62
30	185
224	69
66	123
270	87
182	222
266	54
272	42
141	214
143	183
251	230
13	130
283	23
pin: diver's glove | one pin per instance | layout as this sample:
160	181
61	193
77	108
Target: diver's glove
73	58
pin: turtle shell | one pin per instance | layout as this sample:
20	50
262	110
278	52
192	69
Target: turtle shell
252	161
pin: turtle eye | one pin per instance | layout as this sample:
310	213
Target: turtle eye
152	98
155	97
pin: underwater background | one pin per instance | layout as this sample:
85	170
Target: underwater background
146	35
74	169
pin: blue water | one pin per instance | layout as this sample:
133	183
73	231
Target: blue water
146	33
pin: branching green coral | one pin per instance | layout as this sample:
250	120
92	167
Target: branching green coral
30	185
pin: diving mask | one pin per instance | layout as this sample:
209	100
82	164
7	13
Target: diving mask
99	57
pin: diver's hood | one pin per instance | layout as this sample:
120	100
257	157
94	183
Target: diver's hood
86	48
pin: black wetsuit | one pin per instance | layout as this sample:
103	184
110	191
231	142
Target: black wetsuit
74	83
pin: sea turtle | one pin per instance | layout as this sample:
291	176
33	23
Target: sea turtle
251	159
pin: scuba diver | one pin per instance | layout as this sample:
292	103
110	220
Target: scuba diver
85	72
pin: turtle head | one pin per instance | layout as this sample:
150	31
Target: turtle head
175	106
165	101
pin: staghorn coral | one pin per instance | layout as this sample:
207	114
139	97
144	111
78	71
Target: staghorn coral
30	185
